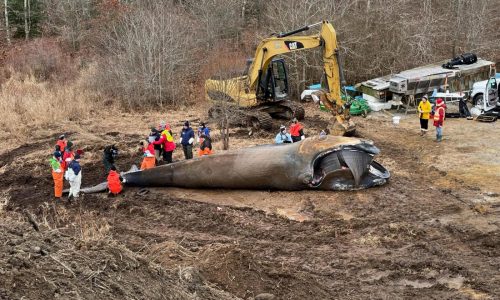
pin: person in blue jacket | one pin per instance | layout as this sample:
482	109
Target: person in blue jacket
187	140
283	136
203	129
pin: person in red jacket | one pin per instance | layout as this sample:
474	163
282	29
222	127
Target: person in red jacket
167	140
67	156
114	182
61	142
439	114
296	131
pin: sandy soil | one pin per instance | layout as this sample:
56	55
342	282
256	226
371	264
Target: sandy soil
432	232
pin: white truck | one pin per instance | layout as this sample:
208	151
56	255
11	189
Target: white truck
479	89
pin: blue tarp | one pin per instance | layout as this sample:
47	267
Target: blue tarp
316	86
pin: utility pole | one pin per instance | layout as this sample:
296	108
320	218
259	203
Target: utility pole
7	29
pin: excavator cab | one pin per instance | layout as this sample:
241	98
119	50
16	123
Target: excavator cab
273	84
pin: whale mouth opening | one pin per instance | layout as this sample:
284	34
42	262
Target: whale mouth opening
348	168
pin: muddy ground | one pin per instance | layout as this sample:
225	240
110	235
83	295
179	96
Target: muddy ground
431	233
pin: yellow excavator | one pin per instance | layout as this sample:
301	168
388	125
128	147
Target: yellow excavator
262	92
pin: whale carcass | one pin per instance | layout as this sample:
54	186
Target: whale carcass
324	163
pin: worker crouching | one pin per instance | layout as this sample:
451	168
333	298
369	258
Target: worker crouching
149	159
114	182
283	137
205	146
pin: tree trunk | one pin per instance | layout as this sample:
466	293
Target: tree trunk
26	27
7	29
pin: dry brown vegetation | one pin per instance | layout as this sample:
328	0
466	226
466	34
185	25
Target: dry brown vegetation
27	103
103	71
154	53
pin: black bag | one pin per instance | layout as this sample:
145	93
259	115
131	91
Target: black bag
464	59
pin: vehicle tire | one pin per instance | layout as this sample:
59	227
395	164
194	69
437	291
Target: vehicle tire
261	121
478	100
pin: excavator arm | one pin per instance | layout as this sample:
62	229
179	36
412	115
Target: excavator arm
288	42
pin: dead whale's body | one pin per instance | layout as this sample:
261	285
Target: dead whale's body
328	163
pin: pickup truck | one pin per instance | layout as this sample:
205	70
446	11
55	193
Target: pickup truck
480	106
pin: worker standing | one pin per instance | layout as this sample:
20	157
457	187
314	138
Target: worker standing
283	136
424	111
74	177
61	142
167	140
205	146
67	156
114	182
154	136
108	157
57	174
148	161
296	131
439	114
186	140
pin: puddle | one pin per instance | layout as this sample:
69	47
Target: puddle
345	215
418	284
452	282
292	214
374	275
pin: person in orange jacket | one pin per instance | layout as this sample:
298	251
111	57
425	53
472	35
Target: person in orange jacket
149	159
206	145
61	142
296	131
57	174
114	181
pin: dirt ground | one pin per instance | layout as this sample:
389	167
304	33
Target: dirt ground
431	233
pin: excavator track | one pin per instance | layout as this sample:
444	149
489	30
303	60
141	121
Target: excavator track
260	120
296	109
242	117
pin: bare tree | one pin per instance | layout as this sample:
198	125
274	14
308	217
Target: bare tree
6	17
26	19
69	18
219	19
149	55
221	68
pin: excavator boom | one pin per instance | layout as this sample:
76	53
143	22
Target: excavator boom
265	88
289	42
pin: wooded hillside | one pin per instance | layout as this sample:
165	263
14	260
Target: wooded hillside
158	52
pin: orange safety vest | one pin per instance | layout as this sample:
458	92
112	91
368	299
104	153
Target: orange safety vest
114	184
295	129
148	163
439	116
62	144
